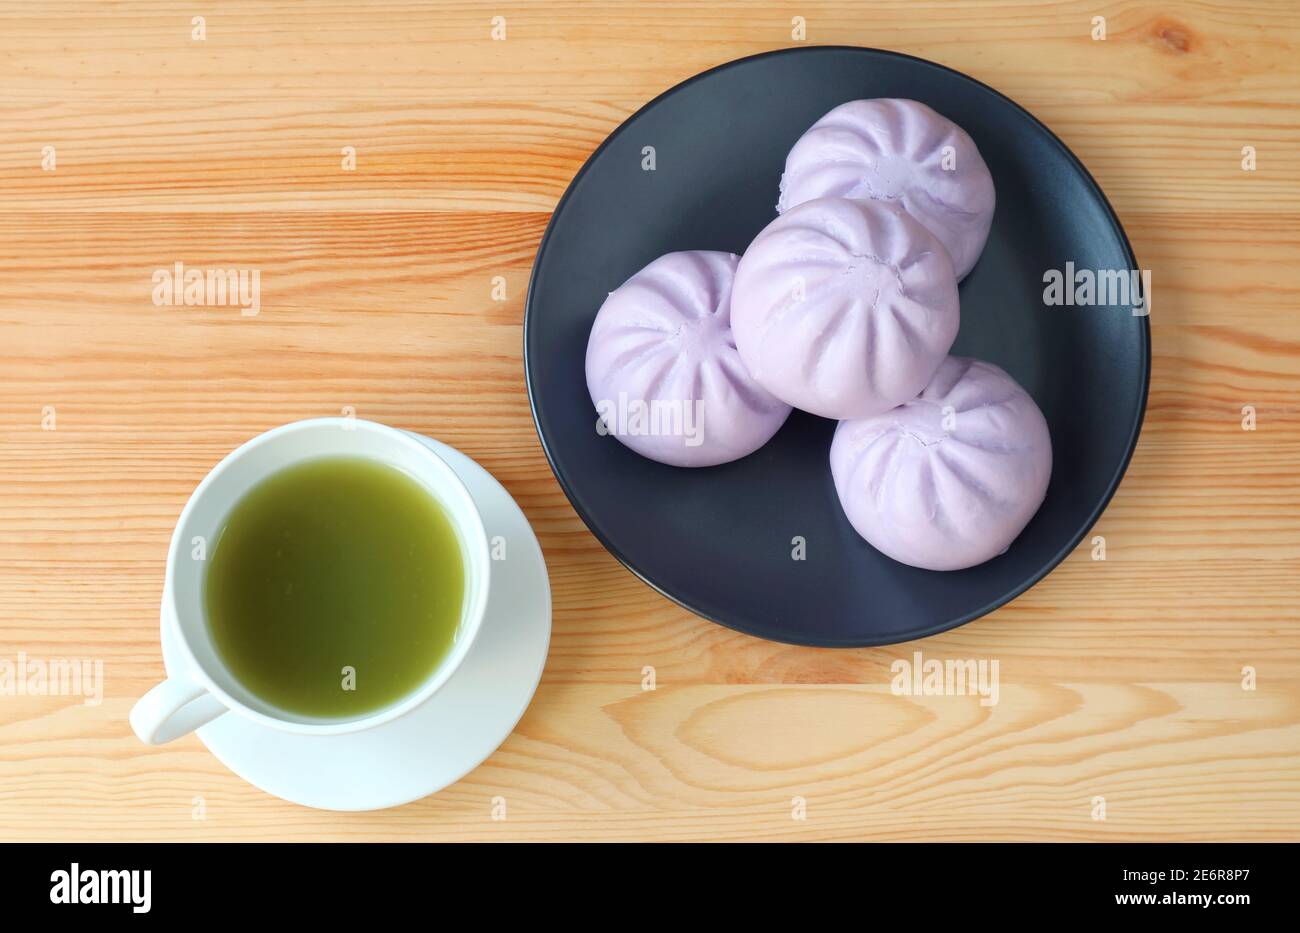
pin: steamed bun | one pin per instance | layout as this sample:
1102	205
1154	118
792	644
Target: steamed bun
663	370
844	308
902	151
949	480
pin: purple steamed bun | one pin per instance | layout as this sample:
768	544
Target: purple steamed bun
844	308
902	151
663	370
949	480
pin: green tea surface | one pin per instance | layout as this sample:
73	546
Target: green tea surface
335	587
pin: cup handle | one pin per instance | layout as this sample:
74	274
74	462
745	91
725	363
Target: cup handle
173	708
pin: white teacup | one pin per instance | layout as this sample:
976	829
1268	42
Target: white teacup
206	688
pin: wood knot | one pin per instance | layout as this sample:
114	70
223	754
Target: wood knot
1173	35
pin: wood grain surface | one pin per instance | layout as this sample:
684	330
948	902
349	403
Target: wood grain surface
1120	679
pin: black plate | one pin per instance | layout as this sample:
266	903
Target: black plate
719	540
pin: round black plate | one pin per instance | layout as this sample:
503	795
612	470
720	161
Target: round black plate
720	540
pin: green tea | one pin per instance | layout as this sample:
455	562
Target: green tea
335	587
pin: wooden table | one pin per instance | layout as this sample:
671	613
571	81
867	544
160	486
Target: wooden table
1120	679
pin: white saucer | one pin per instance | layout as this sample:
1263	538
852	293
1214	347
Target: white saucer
442	740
